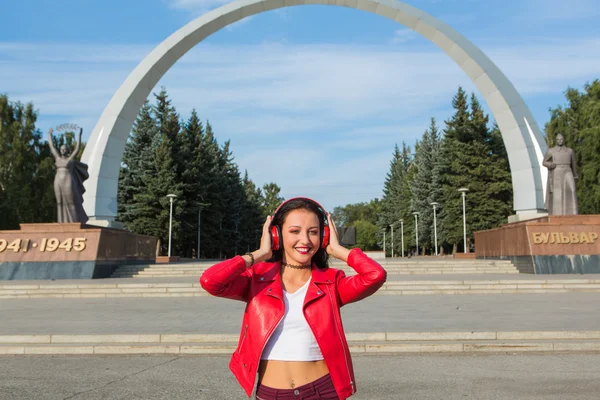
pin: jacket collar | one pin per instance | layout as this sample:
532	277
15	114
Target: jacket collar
270	273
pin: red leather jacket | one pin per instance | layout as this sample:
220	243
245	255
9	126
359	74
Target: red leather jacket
260	287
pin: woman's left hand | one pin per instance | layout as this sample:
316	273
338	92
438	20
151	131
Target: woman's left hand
335	249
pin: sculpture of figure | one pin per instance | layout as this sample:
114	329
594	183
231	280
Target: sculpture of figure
68	183
561	198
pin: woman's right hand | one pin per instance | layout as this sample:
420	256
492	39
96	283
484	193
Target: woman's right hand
265	251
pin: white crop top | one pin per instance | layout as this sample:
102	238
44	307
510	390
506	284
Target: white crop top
293	339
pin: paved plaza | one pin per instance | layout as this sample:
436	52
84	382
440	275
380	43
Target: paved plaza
429	377
513	312
554	352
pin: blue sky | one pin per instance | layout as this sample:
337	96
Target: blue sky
312	97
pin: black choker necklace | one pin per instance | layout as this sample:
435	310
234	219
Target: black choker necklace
295	266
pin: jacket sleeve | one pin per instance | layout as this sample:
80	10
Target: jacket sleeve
370	276
229	279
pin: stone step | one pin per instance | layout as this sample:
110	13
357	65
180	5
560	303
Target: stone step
338	264
387	268
407	272
351	270
390	288
348	273
392	266
359	343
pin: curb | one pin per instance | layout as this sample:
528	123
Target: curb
391	288
359	343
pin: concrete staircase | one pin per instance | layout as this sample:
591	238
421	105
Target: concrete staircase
359	343
191	288
413	267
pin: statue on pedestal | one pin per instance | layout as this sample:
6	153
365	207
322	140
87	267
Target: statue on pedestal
561	197
68	182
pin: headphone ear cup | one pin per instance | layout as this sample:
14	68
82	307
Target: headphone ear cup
326	234
275	238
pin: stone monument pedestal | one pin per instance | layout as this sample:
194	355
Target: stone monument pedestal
70	251
566	244
166	259
465	256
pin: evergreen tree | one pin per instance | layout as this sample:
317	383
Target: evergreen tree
472	157
164	156
423	186
396	201
493	200
253	216
211	183
453	172
232	200
189	173
138	161
167	180
272	198
149	209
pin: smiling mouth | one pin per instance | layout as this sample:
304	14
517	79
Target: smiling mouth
302	250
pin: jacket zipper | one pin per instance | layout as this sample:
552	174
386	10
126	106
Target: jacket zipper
243	339
263	348
342	342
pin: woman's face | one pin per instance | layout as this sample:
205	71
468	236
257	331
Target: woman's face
301	236
64	150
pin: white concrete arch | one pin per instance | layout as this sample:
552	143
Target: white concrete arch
521	135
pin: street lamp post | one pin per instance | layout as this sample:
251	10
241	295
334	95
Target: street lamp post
402	235
171	197
435	227
463	191
384	253
392	226
416	214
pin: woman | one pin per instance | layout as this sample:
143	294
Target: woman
292	335
68	182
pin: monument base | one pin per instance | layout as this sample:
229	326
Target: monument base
70	251
166	259
566	244
465	256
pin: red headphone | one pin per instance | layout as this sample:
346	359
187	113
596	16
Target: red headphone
276	237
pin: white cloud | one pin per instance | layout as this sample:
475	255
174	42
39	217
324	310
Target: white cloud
315	102
403	35
318	172
549	67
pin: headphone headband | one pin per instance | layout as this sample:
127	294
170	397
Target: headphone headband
301	198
